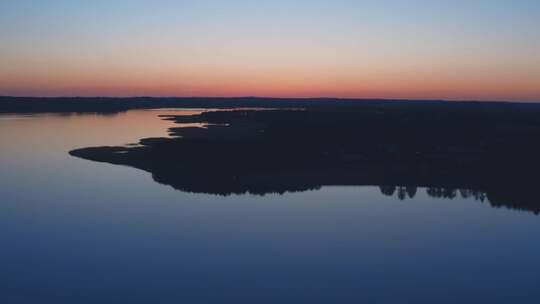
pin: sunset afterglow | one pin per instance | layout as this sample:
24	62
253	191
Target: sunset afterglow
481	50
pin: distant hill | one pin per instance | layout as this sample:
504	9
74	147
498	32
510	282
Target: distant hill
112	105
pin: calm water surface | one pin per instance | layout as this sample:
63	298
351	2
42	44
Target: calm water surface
75	231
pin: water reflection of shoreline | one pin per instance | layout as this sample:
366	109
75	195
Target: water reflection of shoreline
494	199
404	192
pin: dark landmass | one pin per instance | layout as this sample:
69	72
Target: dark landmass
486	151
115	105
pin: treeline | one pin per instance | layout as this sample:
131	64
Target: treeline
113	105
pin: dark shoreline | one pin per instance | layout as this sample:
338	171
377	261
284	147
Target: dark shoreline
489	153
117	104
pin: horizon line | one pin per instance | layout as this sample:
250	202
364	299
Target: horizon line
276	98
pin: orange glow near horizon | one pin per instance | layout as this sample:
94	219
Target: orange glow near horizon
317	74
293	86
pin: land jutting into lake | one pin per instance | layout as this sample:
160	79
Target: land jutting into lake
485	150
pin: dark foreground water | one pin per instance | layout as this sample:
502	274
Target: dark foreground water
75	231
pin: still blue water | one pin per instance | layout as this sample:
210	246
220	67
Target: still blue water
75	231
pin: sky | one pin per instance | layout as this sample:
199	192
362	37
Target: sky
415	49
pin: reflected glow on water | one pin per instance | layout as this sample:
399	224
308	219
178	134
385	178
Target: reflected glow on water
71	227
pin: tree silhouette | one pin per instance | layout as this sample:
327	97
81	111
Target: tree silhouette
388	190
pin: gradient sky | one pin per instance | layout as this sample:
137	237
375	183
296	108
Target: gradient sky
455	49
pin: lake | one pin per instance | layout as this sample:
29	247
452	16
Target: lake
76	231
